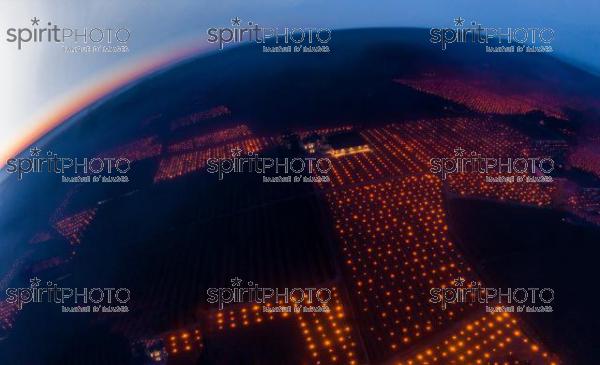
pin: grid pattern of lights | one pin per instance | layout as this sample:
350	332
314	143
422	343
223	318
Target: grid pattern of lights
211	139
184	341
178	165
490	339
324	131
73	227
485	99
396	247
329	337
407	148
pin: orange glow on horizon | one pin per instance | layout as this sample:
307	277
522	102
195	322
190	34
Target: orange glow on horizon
80	99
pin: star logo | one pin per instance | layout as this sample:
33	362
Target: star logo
236	281
459	152
34	151
35	282
459	282
459	22
235	21
35	21
236	152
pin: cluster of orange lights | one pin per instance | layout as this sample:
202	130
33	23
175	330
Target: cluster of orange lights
181	164
324	131
349	151
389	217
491	339
73	227
184	341
396	247
408	148
479	96
244	316
356	168
211	139
586	204
328	335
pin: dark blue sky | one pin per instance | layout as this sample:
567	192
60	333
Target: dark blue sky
39	79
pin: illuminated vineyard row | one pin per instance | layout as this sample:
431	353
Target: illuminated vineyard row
73	227
324	131
407	148
329	337
396	247
184	341
173	166
491	339
211	139
484	98
586	203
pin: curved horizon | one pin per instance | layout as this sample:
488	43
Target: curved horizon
78	100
